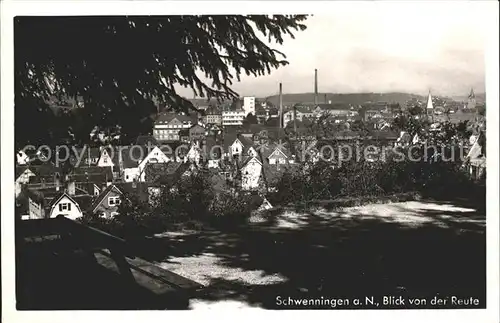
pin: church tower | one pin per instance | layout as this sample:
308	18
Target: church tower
471	100
429	111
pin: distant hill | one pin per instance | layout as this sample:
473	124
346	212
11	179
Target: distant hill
352	98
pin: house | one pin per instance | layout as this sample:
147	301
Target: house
134	159
22	158
52	203
276	154
106	204
23	174
298	113
403	140
248	105
88	156
106	158
213	115
236	144
332	109
167	126
475	161
194	154
250	172
32	157
233	117
90	180
92	189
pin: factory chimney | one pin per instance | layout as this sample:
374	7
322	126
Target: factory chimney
315	86
281	106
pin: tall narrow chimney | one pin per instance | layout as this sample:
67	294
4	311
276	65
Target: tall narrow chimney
282	121
295	119
326	101
315	86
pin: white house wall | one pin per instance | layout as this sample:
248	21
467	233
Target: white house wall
72	214
250	175
105	160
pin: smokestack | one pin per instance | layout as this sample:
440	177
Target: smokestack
315	86
295	119
325	99
281	106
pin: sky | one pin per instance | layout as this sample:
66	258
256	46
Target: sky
382	47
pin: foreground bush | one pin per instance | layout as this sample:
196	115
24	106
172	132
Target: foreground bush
431	177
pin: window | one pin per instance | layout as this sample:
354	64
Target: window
105	159
113	200
64	207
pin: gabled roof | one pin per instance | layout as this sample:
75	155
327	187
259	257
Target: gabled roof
59	197
196	126
131	156
246	142
229	138
248	159
165	118
103	195
20	170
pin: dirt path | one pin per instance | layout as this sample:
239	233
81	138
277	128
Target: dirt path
228	257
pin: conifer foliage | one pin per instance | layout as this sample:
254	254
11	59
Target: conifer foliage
120	65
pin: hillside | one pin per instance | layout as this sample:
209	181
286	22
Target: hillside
352	98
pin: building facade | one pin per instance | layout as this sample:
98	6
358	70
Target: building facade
233	118
167	127
249	105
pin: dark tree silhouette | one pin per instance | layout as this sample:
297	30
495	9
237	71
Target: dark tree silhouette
249	120
416	110
123	67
